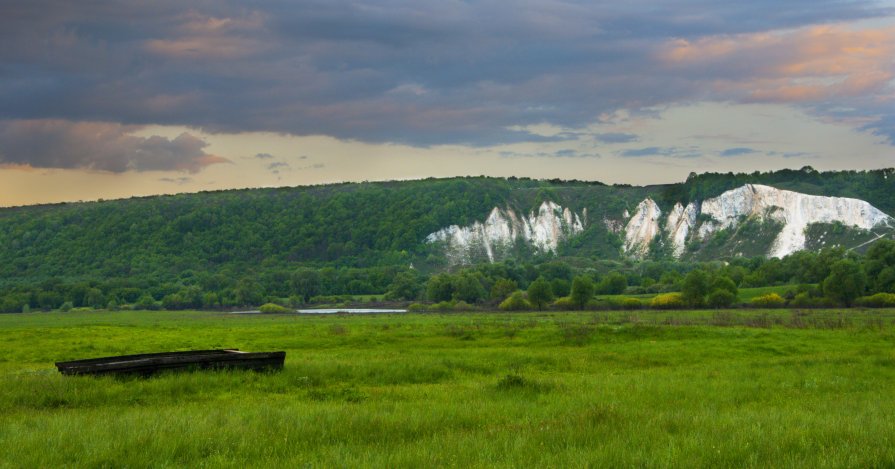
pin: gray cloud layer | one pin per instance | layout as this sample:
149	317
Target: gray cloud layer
98	146
420	72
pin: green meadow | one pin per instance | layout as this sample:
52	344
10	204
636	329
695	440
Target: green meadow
738	388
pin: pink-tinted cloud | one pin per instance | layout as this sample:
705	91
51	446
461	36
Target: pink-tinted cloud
806	65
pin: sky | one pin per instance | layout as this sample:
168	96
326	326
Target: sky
111	99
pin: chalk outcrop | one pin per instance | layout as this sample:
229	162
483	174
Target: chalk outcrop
680	224
495	237
793	210
696	222
642	228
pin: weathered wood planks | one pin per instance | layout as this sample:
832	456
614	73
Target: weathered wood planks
149	363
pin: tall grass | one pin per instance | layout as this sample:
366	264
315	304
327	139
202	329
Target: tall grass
701	389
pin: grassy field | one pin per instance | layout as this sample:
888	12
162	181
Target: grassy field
687	389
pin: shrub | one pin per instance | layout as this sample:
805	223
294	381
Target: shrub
274	308
625	302
502	289
146	302
725	283
721	298
443	306
582	290
417	307
771	300
667	301
802	300
540	293
463	306
805	300
613	284
879	300
565	303
67	306
695	288
516	302
845	282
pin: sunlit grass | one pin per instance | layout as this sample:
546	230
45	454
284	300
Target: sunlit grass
700	389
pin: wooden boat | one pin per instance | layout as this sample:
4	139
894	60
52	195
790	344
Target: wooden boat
149	363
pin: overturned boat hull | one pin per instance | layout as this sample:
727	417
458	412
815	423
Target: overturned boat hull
150	363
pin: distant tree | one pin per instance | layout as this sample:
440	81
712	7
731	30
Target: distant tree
306	282
440	287
515	302
502	289
405	286
671	278
879	264
247	292
725	283
146	302
539	293
695	287
613	284
467	287
48	300
210	300
582	290
560	287
720	298
845	282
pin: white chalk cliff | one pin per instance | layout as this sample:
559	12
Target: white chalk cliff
794	210
642	228
681	222
495	236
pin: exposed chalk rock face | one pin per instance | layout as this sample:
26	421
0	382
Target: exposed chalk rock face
680	223
793	209
494	238
642	228
614	226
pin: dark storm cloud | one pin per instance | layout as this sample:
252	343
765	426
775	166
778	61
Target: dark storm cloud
420	72
98	146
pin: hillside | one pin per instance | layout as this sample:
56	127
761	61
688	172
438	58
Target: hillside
385	224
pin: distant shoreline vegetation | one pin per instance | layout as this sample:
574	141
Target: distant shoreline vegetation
364	243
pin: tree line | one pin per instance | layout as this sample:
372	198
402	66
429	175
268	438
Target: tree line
830	277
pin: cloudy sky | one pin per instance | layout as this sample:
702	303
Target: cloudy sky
108	99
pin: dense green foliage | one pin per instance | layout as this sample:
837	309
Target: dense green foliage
328	244
669	389
875	187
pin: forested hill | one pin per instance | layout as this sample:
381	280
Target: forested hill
361	225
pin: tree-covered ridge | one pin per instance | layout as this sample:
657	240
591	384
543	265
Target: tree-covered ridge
876	187
344	224
366	225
